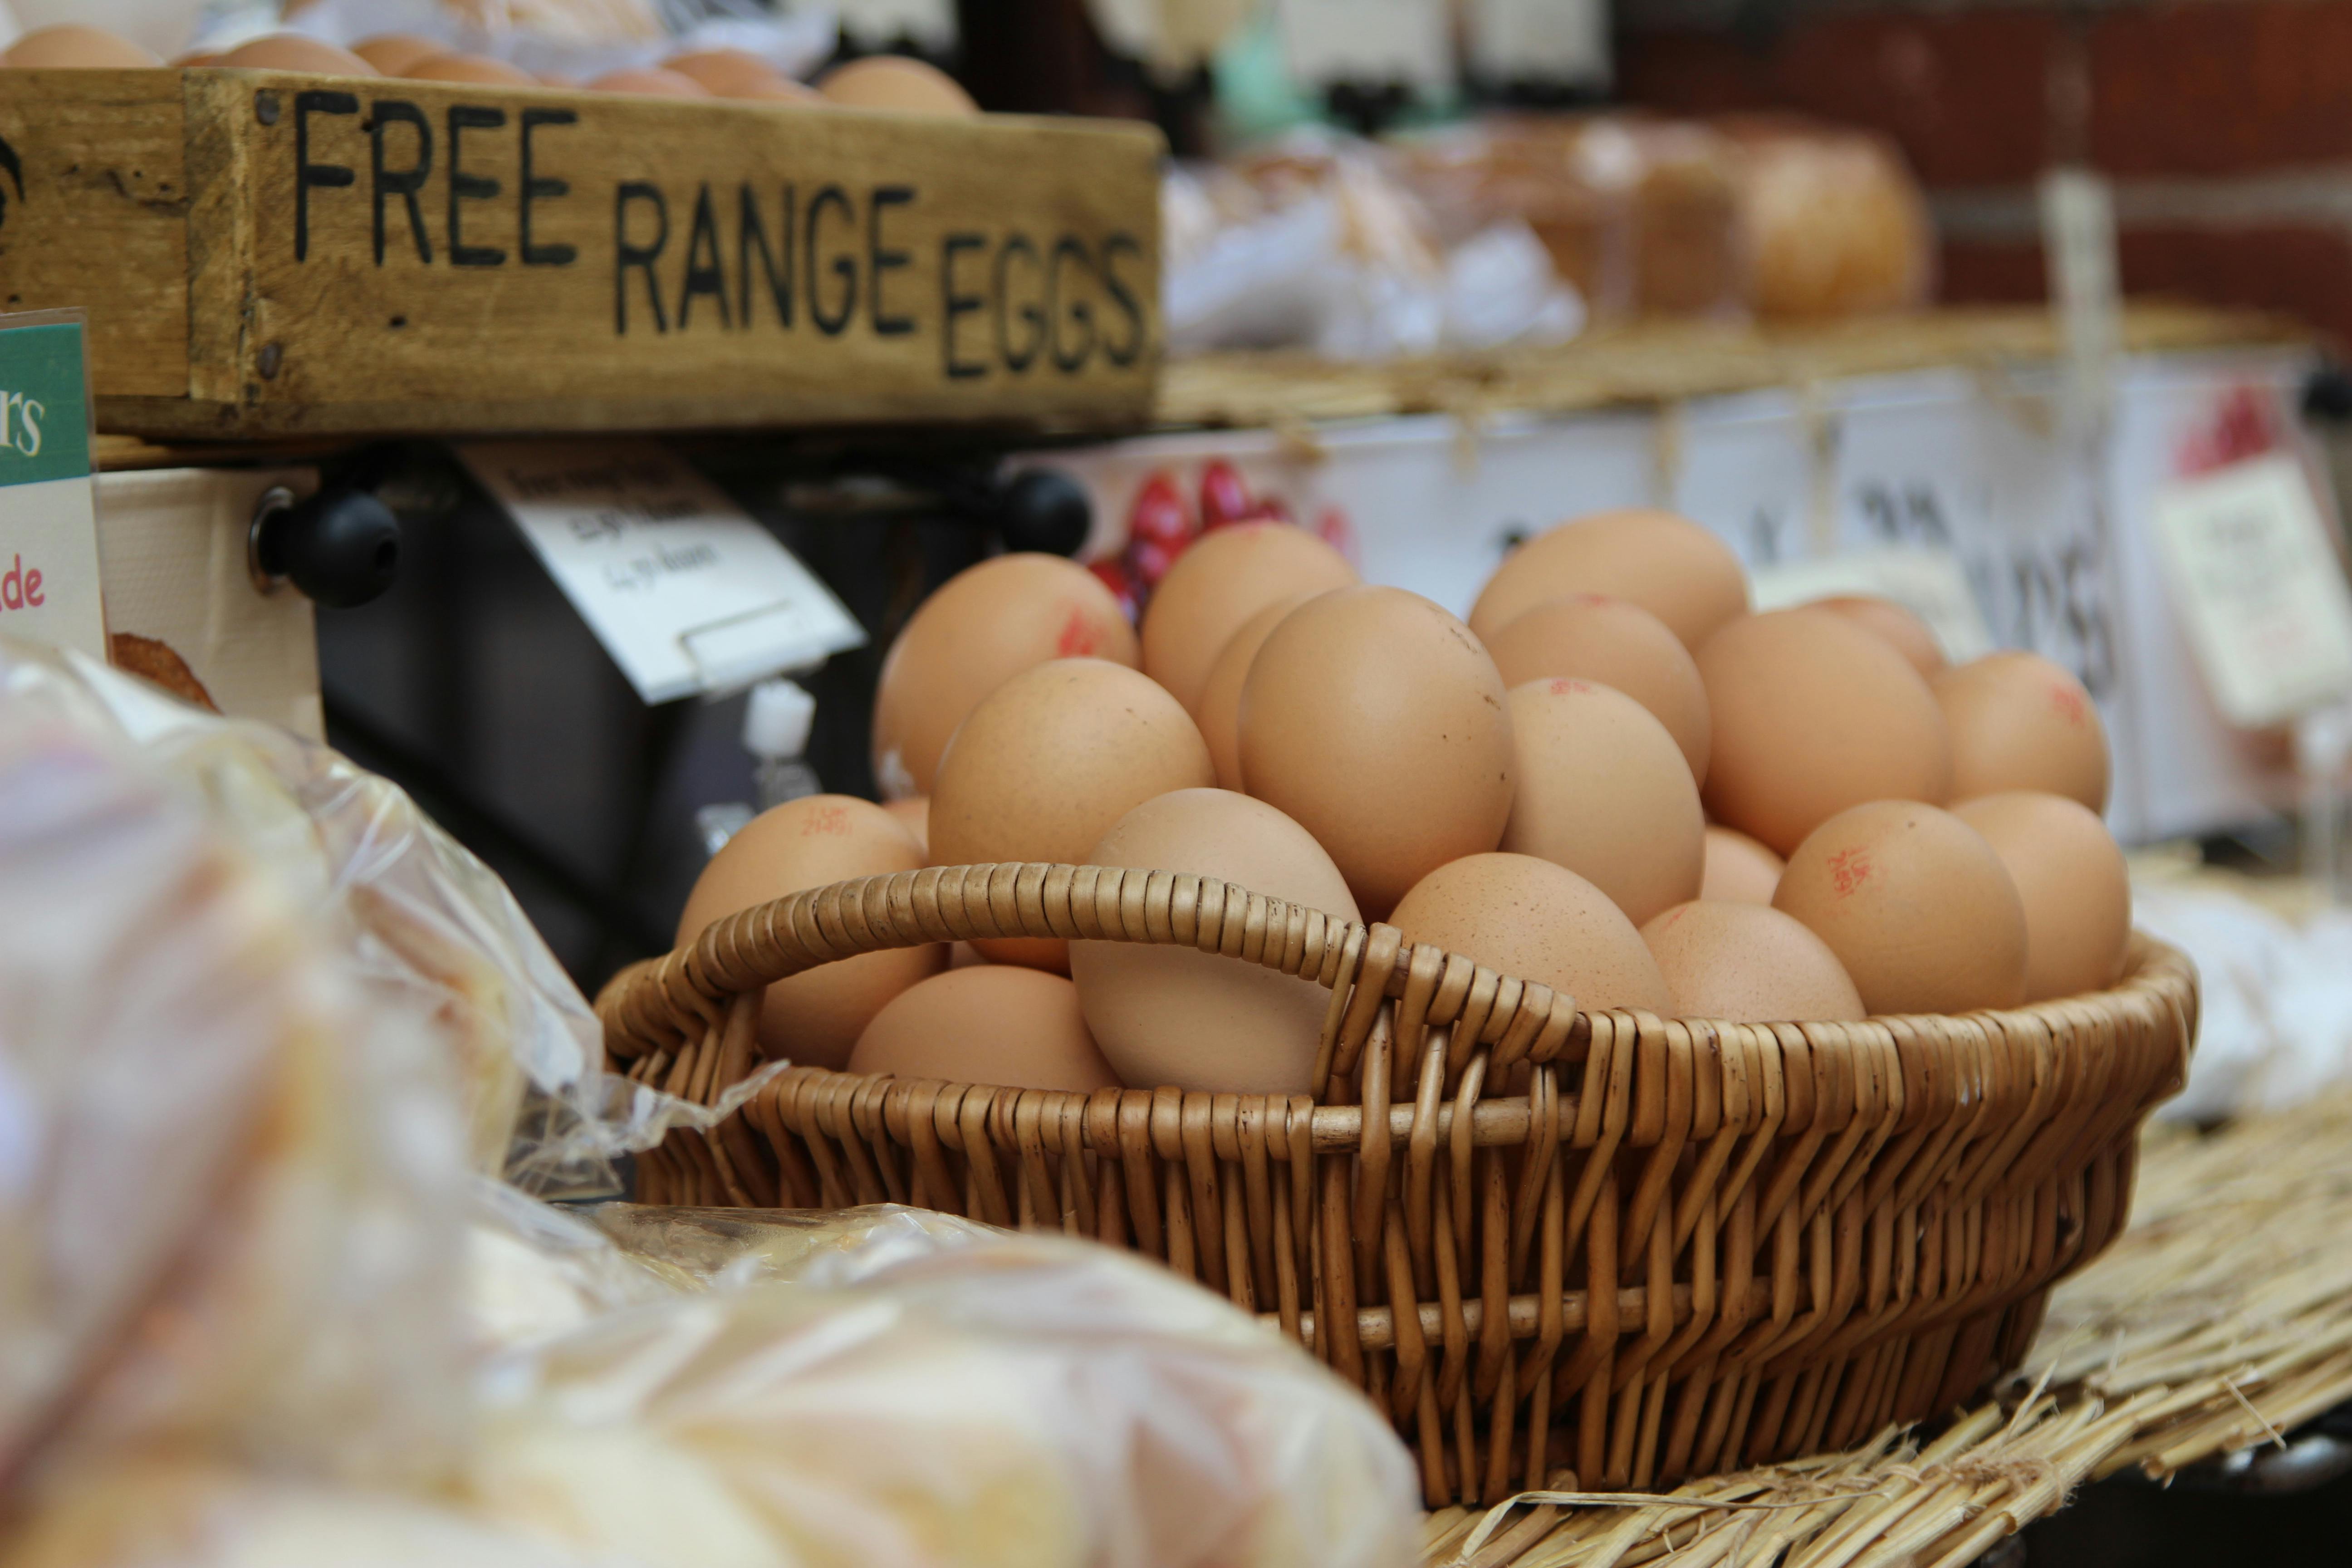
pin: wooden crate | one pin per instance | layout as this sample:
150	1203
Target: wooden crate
264	254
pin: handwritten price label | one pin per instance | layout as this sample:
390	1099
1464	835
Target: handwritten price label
685	592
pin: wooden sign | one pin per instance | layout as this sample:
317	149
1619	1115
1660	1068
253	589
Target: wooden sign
264	254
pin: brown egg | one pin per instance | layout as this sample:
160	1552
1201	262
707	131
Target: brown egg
1916	905
1219	582
477	69
648	81
813	1017
784	90
1219	711
1812	714
1883	617
70	46
914	815
196	60
2072	879
1376	722
981	628
1667	564
1540	923
394	53
1739	869
1047	763
1604	790
1619	645
2019	722
989	1024
1749	964
895	82
293	52
727	73
1177	1017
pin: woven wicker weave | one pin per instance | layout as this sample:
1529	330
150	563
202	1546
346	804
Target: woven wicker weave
1634	1247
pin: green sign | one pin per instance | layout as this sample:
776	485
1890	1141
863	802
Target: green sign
44	404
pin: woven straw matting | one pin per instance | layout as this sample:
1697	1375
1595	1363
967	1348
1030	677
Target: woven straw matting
2221	1318
1632	1247
1661	362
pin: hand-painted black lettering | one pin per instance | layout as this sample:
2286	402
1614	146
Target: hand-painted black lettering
626	255
402	183
751	230
704	273
844	266
1068	249
880	261
464	186
538	187
1018	359
953	305
1123	244
326	176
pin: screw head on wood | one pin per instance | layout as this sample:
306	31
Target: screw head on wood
272	355
265	107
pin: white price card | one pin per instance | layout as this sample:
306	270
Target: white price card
1930	584
48	513
1562	41
1371	41
2254	574
685	592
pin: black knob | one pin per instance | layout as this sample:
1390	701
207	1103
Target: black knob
340	547
1044	509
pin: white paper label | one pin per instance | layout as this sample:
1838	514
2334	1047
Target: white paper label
2254	576
48	516
687	593
1539	41
1930	584
1370	41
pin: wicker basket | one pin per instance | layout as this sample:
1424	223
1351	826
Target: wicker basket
1542	1239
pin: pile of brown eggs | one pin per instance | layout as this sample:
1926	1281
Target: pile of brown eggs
1614	780
881	81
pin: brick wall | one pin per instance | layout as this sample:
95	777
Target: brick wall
2225	124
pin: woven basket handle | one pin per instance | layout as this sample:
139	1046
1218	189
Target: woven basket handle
662	1003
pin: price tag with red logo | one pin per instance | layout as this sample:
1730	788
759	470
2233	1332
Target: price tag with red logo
687	592
48	516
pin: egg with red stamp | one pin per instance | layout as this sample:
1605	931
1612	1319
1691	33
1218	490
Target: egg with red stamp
2019	722
1915	904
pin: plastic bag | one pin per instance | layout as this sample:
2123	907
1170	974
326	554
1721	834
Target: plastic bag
227	1184
891	1386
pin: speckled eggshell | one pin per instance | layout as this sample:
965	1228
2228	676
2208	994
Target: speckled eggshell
1667	564
1219	711
2072	877
813	1017
1739	869
1916	905
978	630
991	1024
1538	922
1604	790
1619	645
1221	580
895	82
1905	632
1179	1017
1047	763
2019	722
1376	722
1748	964
1810	715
